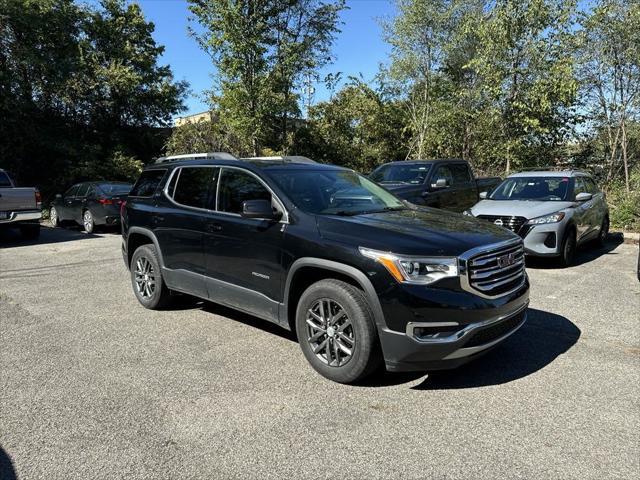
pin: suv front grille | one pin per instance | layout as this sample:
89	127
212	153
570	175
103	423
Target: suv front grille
512	223
498	271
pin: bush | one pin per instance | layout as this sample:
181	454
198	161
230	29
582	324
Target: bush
624	206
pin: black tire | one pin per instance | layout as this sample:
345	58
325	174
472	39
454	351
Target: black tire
88	221
54	219
568	248
152	298
366	355
30	232
603	233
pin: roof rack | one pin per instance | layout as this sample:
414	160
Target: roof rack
197	156
553	169
285	158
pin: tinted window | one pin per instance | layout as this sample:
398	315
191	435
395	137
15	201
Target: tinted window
460	173
4	180
236	187
193	185
82	190
591	185
147	183
72	191
400	173
115	188
532	188
443	171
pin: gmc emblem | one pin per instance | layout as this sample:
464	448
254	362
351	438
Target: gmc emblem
506	260
498	222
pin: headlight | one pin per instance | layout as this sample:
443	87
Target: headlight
417	270
553	218
467	213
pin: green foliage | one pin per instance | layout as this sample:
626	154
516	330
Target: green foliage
81	91
625	206
201	136
261	49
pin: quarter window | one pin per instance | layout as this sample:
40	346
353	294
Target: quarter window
236	187
147	183
193	185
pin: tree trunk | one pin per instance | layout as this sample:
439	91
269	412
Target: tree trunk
623	147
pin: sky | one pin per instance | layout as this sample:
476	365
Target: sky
358	49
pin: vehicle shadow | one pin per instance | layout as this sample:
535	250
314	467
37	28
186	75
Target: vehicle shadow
539	342
11	237
7	471
584	254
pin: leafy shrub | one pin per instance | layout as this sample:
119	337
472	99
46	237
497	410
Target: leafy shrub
624	206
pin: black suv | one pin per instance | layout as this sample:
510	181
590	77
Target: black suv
361	276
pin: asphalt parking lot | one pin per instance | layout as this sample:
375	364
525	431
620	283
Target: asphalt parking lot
92	385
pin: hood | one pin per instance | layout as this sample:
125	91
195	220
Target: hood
518	208
415	231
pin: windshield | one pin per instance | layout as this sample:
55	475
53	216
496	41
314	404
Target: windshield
115	188
554	189
400	173
334	192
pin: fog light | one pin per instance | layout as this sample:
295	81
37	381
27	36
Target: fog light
550	241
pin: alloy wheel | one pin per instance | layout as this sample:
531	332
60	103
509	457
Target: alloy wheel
53	216
330	332
145	278
88	221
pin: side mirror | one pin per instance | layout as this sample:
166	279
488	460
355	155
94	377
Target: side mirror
440	183
58	196
483	195
583	197
260	209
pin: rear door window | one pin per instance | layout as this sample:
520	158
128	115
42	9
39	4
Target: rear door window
148	183
460	173
194	185
237	187
72	191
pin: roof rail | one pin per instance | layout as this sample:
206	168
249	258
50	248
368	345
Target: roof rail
553	169
285	158
197	156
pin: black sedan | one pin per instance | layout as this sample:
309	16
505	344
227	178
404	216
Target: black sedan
90	204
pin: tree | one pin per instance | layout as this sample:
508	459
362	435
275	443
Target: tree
261	49
609	66
80	88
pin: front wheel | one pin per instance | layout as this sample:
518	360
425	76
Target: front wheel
54	219
568	248
146	278
337	332
604	232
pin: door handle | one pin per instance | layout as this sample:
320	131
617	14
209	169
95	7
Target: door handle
214	227
158	218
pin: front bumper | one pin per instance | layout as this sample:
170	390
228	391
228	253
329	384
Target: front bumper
31	216
409	351
544	240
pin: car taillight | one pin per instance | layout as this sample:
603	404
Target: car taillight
38	199
105	201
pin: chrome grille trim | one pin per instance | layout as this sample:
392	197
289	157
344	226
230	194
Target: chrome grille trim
481	275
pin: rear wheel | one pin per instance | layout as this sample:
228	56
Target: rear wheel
568	248
337	332
146	278
604	232
88	222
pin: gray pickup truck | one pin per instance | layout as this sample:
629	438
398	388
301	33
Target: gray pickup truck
448	184
19	207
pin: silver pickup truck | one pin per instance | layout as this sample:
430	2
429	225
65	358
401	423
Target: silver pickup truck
19	207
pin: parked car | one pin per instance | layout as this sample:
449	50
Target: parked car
20	207
362	276
90	204
446	184
552	211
